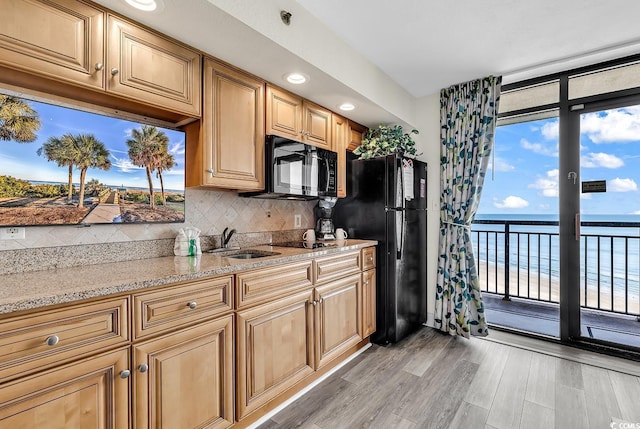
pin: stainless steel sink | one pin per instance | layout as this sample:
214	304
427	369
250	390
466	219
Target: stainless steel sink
250	254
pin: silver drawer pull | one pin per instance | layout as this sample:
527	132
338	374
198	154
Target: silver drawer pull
114	71
53	340
192	305
99	66
125	373
144	367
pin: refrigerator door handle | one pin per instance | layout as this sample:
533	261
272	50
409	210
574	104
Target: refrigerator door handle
399	233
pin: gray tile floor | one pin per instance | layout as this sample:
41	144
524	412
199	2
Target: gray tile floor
431	380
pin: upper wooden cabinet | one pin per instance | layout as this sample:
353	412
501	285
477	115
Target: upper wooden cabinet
149	67
356	133
230	152
127	66
62	40
293	117
340	135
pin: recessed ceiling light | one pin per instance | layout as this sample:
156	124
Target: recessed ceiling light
296	78
146	5
347	106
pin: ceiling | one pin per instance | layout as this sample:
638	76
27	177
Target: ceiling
429	45
383	55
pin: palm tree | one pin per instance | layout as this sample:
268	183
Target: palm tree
166	161
94	187
62	151
18	121
145	150
90	153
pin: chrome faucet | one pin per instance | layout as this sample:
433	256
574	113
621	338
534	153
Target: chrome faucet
226	237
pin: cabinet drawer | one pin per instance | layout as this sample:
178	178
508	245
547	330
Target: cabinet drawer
35	342
368	258
272	282
180	305
332	267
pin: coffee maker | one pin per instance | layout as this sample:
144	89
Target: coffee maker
323	213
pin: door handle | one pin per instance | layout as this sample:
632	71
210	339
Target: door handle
576	226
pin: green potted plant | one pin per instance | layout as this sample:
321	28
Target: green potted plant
385	140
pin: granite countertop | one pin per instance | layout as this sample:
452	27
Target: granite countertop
24	291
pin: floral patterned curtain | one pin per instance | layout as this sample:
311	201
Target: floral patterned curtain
468	114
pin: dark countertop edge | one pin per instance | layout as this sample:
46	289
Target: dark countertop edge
41	299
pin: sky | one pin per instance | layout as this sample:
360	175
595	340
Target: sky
527	171
21	160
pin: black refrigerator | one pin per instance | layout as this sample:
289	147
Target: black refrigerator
387	201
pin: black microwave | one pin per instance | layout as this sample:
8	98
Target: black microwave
295	170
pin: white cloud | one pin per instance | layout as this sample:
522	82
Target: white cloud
124	164
501	164
612	126
622	185
511	202
539	148
637	212
547	185
594	160
177	148
551	130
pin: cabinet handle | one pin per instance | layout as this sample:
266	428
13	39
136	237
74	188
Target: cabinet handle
114	71
192	305
144	367
210	170
320	300
52	340
99	66
125	373
313	303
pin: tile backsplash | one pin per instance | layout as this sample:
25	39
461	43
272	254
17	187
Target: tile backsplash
208	210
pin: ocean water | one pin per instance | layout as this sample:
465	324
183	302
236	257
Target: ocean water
608	253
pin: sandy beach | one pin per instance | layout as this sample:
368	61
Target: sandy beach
528	285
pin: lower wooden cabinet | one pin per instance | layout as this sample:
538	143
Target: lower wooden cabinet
368	303
337	317
185	379
178	371
90	393
274	349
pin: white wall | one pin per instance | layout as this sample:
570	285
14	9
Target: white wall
428	142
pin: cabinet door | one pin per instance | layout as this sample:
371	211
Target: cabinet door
284	114
61	39
316	125
274	349
185	379
86	394
340	136
356	133
149	68
368	303
337	317
233	129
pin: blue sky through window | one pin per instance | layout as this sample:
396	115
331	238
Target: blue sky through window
526	165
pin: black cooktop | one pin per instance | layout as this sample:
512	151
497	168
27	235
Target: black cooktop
305	244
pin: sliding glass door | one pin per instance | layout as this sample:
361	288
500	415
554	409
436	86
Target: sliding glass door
600	231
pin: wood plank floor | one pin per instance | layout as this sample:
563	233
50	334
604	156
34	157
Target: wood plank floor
431	380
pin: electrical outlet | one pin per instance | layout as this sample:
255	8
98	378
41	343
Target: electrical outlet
12	233
297	221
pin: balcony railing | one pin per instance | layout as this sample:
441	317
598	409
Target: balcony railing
521	259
